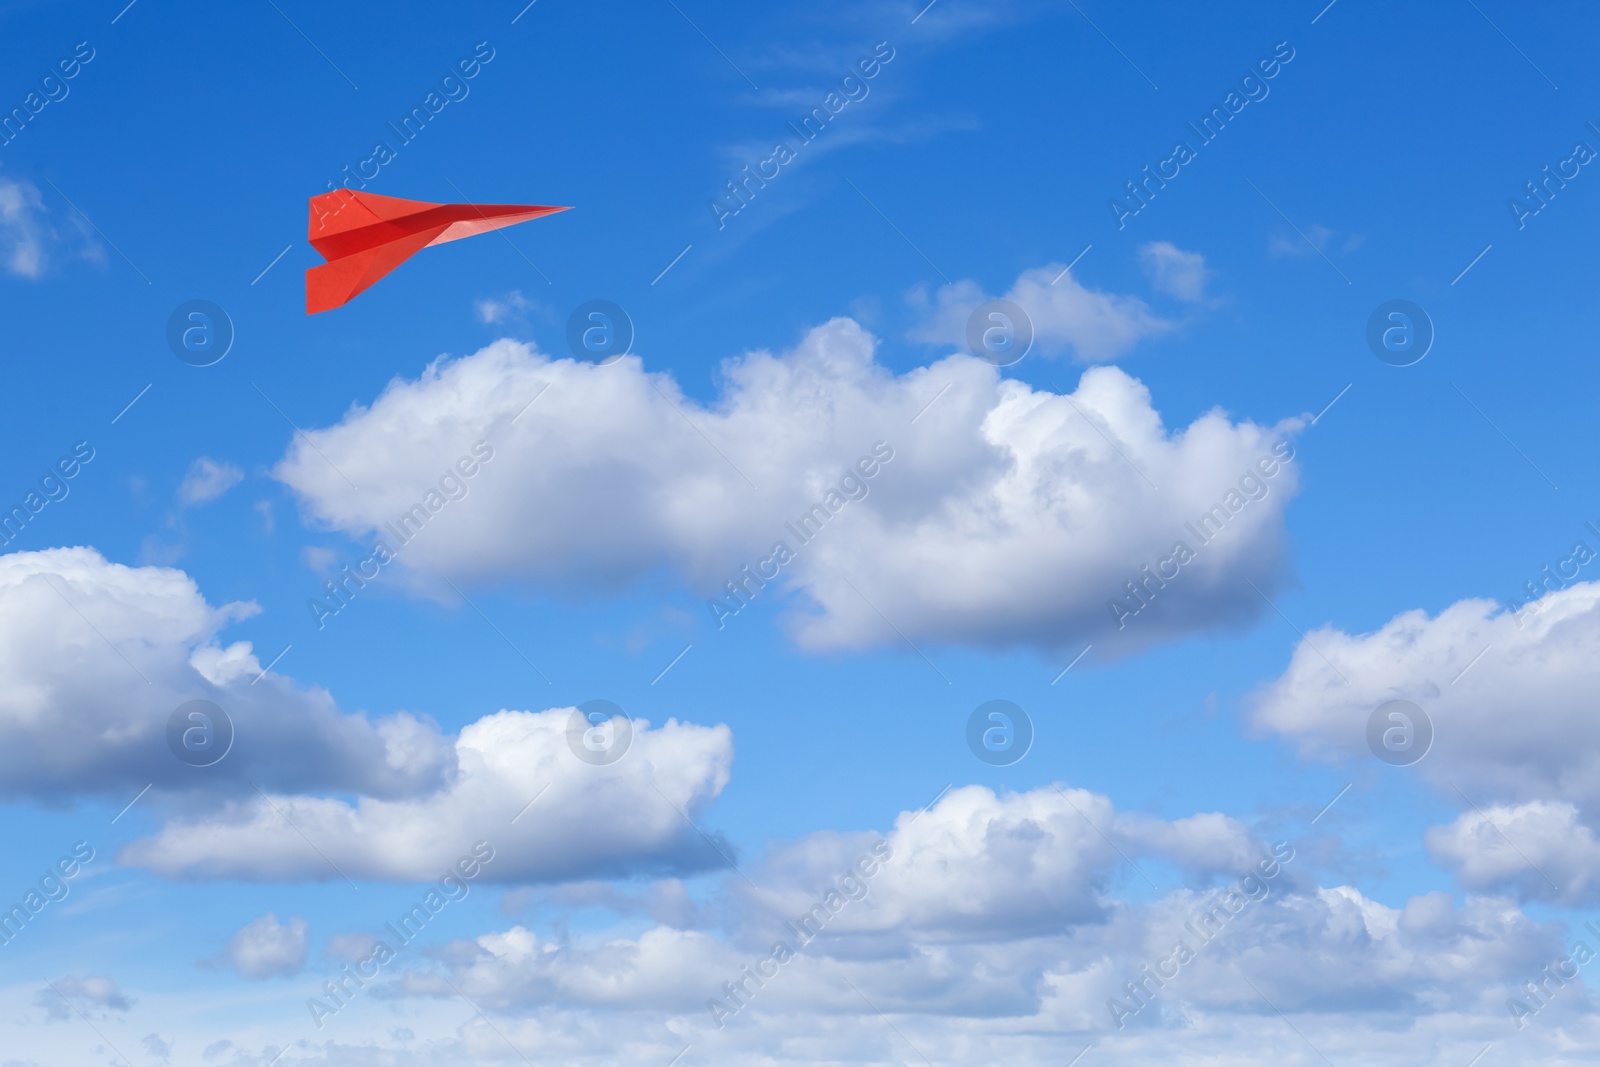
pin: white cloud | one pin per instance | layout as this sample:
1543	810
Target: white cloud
28	238
1066	315
492	310
1032	508
266	948
1179	274
1294	245
1539	850
1510	700
581	820
207	479
93	991
24	232
95	657
319	559
983	867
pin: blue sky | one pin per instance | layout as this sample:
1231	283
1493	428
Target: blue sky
774	347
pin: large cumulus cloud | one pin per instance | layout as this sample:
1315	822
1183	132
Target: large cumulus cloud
1008	516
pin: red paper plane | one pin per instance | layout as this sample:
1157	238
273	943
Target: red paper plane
363	237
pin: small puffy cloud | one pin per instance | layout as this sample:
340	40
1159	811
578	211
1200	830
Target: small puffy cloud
518	787
1539	850
24	233
88	991
1066	315
1035	509
983	866
266	948
1293	245
1179	274
1510	697
206	480
28	238
493	310
319	559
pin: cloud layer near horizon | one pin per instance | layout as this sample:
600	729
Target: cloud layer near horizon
991	928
